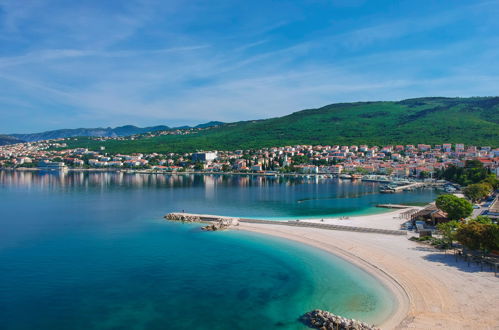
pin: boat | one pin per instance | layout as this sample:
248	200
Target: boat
450	189
388	189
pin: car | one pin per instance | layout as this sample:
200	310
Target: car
476	206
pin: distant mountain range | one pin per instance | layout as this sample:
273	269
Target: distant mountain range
7	139
126	130
431	120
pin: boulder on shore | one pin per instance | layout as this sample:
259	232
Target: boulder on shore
324	320
221	224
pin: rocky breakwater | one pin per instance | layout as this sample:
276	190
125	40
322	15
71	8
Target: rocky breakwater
319	319
182	217
221	224
214	223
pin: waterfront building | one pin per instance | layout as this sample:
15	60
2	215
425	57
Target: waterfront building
49	165
204	156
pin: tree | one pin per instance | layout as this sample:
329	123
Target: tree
319	162
491	180
455	207
472	172
478	236
361	170
469	235
490	237
424	174
448	230
477	191
300	160
287	169
482	219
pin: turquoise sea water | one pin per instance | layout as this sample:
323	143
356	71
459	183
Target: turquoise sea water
91	251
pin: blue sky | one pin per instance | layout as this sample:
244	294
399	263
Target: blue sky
68	64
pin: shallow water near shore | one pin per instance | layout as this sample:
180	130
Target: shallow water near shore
91	251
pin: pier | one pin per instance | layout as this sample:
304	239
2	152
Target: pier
394	206
410	186
393	188
205	218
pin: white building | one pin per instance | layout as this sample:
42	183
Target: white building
204	156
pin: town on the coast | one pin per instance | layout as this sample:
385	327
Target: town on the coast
421	161
458	231
327	165
454	168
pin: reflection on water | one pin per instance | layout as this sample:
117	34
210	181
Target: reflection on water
88	178
267	197
80	244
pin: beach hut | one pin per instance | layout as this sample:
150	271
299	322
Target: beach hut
431	215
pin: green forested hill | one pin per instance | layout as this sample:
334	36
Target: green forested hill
432	120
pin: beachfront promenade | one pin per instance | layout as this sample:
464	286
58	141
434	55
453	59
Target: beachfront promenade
297	223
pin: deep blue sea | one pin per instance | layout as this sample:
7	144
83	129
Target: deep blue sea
91	251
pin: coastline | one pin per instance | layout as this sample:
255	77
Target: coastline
150	171
372	217
383	218
401	298
142	171
430	292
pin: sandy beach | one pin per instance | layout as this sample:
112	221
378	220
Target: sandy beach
391	220
432	289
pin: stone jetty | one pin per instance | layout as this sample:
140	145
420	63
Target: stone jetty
184	217
214	223
221	224
190	217
323	320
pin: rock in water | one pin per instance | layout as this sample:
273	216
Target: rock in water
212	227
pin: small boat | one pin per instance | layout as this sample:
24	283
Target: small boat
387	189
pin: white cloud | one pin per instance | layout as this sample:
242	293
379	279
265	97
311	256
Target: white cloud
189	79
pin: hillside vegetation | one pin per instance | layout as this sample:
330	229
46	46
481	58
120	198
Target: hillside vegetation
433	120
